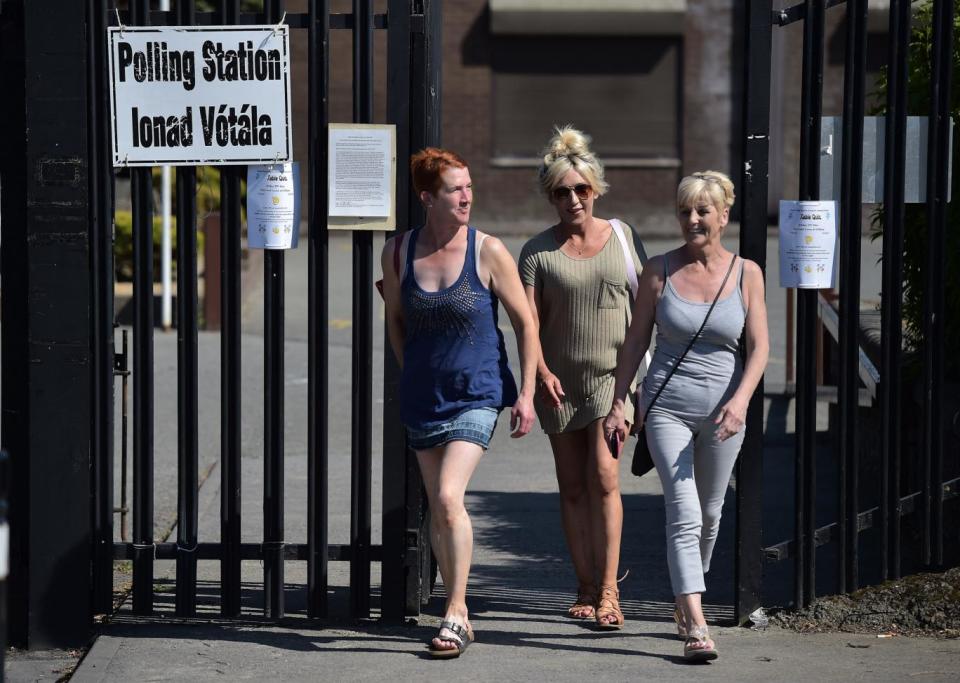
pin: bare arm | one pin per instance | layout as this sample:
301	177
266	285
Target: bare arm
391	300
636	343
733	415
505	283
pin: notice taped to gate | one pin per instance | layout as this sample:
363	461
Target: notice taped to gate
188	95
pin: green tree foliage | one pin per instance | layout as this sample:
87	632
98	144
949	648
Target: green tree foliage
208	201
915	225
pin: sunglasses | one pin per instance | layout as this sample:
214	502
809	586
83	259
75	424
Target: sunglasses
582	190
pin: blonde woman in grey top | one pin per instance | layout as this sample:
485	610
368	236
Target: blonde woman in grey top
695	427
576	279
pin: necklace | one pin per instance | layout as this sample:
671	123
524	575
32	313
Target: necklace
569	240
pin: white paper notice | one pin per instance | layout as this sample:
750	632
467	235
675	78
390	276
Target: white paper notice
808	239
273	206
360	167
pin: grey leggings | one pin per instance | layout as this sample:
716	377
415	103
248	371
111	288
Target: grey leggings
694	471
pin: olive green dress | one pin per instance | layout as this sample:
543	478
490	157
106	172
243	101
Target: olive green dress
584	307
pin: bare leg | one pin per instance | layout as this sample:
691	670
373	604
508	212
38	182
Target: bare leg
690	606
570	459
606	506
446	471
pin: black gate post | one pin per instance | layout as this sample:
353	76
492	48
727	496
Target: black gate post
851	190
101	275
273	281
753	245
400	539
891	335
413	94
47	319
362	362
425	98
806	406
939	151
318	367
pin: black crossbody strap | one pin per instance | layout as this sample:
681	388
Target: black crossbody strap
693	340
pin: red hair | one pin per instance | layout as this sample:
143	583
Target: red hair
427	165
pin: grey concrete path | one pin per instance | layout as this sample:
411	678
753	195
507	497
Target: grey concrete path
521	581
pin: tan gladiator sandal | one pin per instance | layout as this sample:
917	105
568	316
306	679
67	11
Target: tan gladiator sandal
609	606
585	604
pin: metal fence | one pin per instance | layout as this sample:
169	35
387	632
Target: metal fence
931	479
413	93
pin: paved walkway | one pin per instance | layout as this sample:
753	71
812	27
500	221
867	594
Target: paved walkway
521	582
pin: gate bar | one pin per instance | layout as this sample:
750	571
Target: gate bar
753	245
101	252
143	410
938	165
230	356
851	190
425	109
865	520
891	330
273	385
188	451
362	367
318	71
806	406
398	535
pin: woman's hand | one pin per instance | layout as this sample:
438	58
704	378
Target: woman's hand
521	416
615	422
550	390
731	419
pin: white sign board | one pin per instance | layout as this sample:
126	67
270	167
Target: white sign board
185	95
273	206
362	175
808	240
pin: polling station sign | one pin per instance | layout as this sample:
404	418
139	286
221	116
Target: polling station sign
185	95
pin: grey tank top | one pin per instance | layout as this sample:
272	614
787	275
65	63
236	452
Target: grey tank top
713	363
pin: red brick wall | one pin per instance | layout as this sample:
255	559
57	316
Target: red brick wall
507	199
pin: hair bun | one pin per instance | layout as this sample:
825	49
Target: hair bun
568	141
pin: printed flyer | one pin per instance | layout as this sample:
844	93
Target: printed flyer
273	206
808	240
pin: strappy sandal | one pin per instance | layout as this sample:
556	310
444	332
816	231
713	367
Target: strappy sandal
608	605
462	637
698	646
681	623
585	604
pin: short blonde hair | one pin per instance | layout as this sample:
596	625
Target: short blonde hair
569	150
712	186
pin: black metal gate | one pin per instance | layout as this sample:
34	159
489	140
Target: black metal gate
413	92
910	481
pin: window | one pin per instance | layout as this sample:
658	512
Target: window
622	90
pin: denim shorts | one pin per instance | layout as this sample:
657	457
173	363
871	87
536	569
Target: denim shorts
474	425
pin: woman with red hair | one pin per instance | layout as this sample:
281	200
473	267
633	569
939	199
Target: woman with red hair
441	314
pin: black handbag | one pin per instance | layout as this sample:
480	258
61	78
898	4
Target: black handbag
642	460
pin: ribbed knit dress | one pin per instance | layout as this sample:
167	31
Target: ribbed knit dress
584	308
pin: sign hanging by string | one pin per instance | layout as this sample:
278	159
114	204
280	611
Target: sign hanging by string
273	206
186	95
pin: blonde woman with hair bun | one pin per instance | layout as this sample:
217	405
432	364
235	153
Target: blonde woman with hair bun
694	399
577	274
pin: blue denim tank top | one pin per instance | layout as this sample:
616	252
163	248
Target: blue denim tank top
454	358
